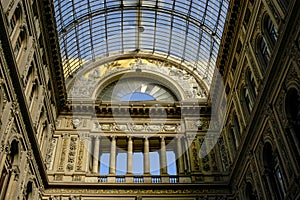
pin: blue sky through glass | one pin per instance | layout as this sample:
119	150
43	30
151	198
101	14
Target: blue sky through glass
137	96
138	163
188	30
104	163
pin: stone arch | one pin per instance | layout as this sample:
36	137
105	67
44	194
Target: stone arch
168	83
292	114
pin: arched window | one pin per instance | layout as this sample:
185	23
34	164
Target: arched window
12	160
14	153
19	43
247	100
263	52
16	18
250	193
251	83
270	31
28	192
292	109
273	176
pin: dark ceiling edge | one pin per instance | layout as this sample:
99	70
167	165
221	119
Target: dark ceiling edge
53	50
19	91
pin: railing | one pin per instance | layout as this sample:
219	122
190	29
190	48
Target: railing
156	179
120	179
138	179
174	179
102	179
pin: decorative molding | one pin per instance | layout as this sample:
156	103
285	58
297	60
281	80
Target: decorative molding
63	155
86	84
72	153
80	156
137	127
51	154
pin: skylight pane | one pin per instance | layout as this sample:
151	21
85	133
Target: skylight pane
189	30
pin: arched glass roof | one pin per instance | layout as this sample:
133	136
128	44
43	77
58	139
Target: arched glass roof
189	30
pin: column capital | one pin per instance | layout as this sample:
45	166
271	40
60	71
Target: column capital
146	137
113	137
162	137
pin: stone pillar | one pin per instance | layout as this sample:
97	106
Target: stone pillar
112	166
163	156
88	149
12	184
187	154
96	155
146	156
180	156
129	156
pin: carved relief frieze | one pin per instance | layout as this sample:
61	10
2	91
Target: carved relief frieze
80	156
195	156
63	156
72	153
137	127
85	85
5	133
51	154
197	124
76	192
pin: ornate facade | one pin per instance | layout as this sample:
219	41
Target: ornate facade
76	123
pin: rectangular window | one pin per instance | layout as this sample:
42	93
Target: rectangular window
104	163
138	163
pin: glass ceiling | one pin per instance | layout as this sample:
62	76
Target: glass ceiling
189	30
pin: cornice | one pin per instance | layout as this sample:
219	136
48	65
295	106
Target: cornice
230	31
142	108
53	50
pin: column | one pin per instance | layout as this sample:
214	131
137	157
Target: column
146	156
10	192
187	154
180	156
163	158
129	156
88	149
112	166
96	155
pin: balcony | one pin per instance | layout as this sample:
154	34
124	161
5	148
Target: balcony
164	179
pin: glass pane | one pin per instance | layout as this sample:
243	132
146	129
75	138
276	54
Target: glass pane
104	163
138	163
